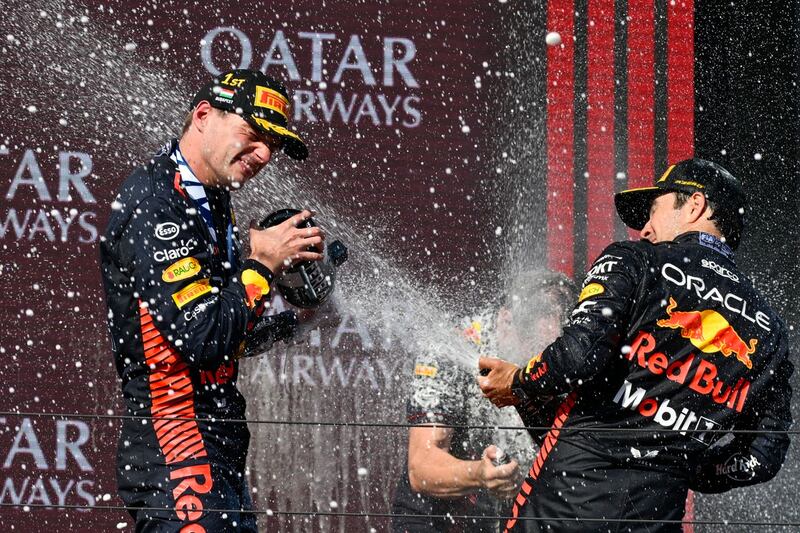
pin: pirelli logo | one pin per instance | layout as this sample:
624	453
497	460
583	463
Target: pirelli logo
191	292
271	99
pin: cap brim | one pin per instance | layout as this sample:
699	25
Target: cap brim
633	205
293	145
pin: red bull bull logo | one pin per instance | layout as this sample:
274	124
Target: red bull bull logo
709	332
255	287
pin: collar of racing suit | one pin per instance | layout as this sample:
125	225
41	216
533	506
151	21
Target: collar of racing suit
199	197
707	240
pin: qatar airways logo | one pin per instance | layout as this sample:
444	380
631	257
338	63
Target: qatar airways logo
331	69
46	463
49	194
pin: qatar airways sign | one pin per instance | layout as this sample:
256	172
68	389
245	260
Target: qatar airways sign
332	101
342	353
61	206
45	462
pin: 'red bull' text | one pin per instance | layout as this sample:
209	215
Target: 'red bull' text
691	371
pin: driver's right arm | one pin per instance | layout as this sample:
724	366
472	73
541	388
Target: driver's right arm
433	471
431	468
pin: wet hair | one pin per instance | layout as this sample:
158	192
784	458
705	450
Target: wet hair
541	292
727	221
187	122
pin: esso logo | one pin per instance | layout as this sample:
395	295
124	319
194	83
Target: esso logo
167	231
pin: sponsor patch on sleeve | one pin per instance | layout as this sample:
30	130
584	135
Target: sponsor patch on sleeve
179	270
166	231
535	368
425	370
592	289
191	292
255	287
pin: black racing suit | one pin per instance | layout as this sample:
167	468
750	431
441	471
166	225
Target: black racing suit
180	314
667	341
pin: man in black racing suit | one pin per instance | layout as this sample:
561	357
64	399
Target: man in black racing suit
184	306
668	349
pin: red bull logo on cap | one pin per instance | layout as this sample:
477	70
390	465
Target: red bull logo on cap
709	332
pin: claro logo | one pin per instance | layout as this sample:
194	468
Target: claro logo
173	254
166	231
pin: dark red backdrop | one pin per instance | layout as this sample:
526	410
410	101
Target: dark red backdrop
422	159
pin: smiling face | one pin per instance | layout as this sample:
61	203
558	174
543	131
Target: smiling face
233	150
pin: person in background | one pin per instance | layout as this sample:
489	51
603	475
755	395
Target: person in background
452	471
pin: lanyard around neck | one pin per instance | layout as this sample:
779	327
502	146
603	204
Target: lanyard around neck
197	192
195	189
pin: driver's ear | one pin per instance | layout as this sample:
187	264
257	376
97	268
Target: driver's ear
201	114
699	204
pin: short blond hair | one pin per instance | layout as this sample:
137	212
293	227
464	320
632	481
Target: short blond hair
187	121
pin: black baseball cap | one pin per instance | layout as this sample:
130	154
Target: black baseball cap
262	101
689	176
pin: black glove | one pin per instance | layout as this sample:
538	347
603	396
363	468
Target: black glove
269	330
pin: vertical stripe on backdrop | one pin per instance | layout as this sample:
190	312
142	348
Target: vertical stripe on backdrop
641	97
560	155
641	94
680	80
655	116
620	108
660	92
680	114
580	174
600	127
